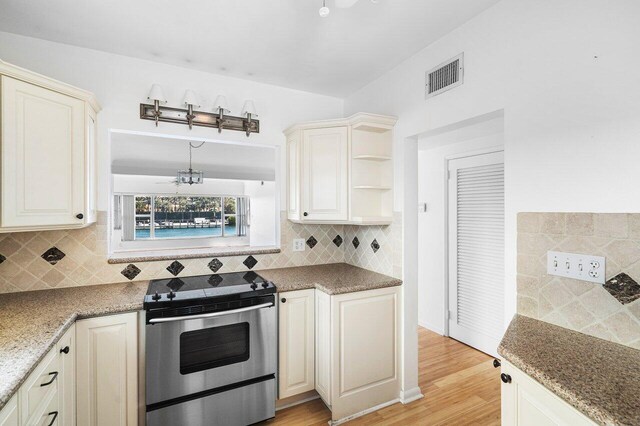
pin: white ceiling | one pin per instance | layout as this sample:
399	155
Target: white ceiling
133	154
282	42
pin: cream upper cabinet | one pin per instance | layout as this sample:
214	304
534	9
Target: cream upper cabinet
48	153
107	370
325	183
296	342
525	402
341	171
357	350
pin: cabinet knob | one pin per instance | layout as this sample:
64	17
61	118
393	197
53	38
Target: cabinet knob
283	300
80	216
505	378
305	214
64	350
496	363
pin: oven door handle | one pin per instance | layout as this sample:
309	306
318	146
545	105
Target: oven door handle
211	315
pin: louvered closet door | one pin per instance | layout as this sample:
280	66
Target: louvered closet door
476	250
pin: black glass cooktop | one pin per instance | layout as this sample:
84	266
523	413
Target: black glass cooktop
206	289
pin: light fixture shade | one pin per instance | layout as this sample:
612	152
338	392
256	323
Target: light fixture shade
156	94
249	108
190	98
221	104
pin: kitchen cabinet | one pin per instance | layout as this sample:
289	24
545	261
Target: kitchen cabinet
66	352
341	171
296	342
9	416
107	370
525	402
357	350
48	152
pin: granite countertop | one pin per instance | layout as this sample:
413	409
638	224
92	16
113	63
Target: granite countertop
599	378
32	322
334	278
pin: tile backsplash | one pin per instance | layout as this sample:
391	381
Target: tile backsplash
579	305
65	258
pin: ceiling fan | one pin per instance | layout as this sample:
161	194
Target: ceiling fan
340	4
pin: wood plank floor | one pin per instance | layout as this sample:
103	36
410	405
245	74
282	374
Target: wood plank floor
459	384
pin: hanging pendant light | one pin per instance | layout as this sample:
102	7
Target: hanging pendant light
324	10
190	176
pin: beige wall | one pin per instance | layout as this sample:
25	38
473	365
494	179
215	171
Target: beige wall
573	304
85	261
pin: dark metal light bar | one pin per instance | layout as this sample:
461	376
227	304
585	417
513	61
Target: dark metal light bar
203	119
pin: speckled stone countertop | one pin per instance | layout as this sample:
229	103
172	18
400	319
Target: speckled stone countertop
32	322
599	378
334	278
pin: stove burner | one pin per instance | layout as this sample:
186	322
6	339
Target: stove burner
215	280
175	284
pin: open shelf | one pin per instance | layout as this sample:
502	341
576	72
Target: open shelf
372	157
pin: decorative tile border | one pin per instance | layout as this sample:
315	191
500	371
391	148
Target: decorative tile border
82	257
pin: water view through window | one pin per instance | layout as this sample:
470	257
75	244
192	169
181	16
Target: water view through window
158	217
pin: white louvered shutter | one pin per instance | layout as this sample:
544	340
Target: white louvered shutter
476	250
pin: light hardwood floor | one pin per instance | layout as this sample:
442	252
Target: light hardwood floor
459	384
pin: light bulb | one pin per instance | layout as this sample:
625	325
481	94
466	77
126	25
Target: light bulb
324	11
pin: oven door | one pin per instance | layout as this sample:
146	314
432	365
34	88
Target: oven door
190	354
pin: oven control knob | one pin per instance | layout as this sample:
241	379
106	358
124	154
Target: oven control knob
156	296
254	286
265	284
171	295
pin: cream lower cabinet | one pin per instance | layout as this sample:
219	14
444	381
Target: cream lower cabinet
47	395
357	350
48	136
107	370
296	342
525	402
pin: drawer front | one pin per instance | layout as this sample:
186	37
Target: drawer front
40	385
48	414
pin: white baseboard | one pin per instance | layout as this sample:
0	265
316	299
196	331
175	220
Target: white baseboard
293	401
432	327
362	413
411	395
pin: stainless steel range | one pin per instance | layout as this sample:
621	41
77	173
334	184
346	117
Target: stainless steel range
211	350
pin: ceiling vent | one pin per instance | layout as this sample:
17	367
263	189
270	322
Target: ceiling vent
444	77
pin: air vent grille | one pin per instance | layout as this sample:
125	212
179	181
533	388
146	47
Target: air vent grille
444	77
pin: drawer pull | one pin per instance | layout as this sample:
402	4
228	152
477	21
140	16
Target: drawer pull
496	363
505	378
55	375
64	350
55	416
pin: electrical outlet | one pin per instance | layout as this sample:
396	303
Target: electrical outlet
577	266
298	244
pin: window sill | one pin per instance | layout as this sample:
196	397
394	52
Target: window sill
174	254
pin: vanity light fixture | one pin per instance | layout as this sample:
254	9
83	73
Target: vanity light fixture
190	101
249	112
221	108
156	95
188	114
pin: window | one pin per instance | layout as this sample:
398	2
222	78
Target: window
158	217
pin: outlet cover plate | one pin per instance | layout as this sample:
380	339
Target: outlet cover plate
582	267
298	244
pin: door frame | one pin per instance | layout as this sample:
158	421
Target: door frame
447	224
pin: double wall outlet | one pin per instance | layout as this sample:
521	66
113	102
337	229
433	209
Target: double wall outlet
577	266
298	244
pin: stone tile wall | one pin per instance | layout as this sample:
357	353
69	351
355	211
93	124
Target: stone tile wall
579	305
27	261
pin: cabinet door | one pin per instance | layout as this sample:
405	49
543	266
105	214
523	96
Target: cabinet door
42	156
9	416
66	351
364	350
526	402
107	370
323	346
325	188
293	176
296	369
91	181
